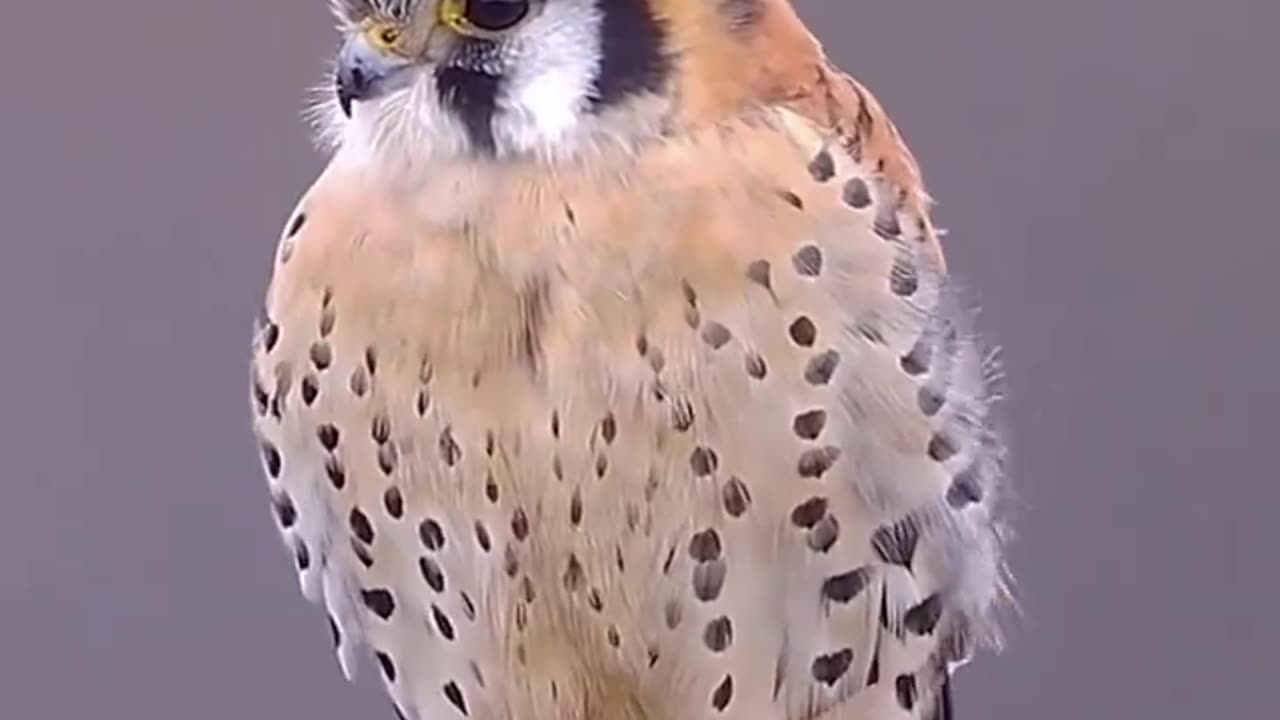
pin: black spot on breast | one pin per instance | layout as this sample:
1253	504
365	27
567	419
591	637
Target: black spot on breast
431	573
450	451
923	618
822	167
705	545
791	199
302	555
736	497
903	278
929	401
671	558
295	225
941	447
905	688
442	622
718	635
703	461
723	693
380	601
682	418
846	586
716	335
362	553
657	361
673	614
824	535
708	579
359	382
808	425
575	507
803	332
310	389
632	59
808	261
431	535
328	317
285	512
387	455
808	513
519	524
758	273
260	397
328	435
380	429
394	502
886	224
271	459
816	462
360	525
473	97
335	472
828	669
387	665
916	362
964	489
270	335
856	194
529	594
280	397
574	575
321	355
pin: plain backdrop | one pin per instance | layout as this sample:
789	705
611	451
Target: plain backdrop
1108	173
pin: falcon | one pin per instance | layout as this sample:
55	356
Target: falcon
611	370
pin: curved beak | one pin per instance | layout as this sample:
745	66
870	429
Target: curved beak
363	73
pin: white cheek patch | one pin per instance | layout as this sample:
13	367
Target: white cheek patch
543	109
546	88
402	133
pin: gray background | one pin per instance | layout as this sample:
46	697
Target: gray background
1108	172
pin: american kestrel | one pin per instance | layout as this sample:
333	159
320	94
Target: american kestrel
610	371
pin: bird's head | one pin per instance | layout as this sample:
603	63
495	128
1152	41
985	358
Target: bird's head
420	81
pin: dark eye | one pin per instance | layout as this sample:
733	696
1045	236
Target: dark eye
496	14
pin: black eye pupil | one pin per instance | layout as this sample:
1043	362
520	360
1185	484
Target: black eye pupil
496	14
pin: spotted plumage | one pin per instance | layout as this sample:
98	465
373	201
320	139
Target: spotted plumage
611	369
